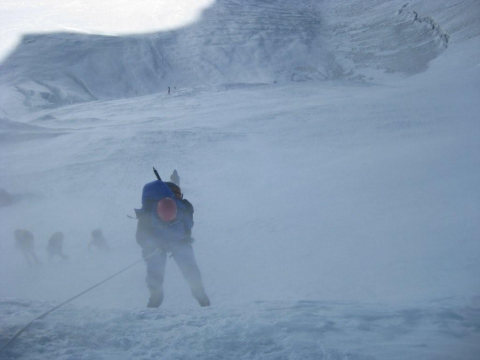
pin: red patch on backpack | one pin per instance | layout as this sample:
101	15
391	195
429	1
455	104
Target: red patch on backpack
167	209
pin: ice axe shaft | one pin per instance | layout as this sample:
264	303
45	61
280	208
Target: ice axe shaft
156	174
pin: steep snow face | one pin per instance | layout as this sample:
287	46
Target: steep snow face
307	191
251	41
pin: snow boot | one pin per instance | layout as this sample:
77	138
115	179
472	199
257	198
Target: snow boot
156	299
204	301
202	298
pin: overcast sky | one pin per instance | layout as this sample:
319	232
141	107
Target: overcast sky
109	17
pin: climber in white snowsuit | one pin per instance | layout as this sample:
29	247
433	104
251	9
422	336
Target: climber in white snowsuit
164	227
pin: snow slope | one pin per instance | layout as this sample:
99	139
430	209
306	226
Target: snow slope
260	330
335	218
236	42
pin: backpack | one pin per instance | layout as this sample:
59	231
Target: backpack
163	217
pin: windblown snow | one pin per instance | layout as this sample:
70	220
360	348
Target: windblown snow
331	152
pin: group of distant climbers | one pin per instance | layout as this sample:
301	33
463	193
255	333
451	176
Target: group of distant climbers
24	242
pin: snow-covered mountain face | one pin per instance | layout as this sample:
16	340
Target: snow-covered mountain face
331	151
238	42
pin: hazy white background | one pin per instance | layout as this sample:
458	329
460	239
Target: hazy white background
107	17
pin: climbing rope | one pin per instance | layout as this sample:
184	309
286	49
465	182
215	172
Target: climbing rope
73	298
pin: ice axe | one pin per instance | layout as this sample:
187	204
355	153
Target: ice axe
156	174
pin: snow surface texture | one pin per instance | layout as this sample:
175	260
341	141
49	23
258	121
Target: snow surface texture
331	151
260	330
